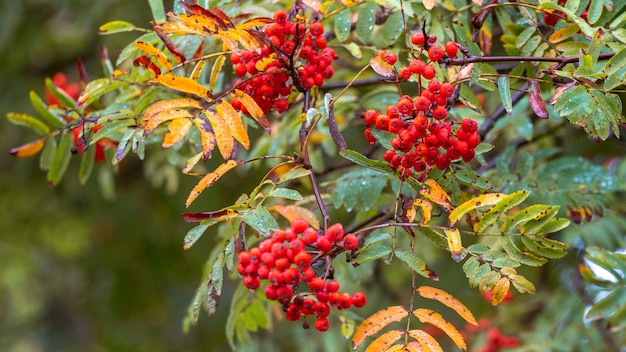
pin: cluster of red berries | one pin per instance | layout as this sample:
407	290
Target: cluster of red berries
496	341
299	51
424	136
285	261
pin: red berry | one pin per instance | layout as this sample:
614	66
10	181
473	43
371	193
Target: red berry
317	284
251	282
270	293
369	137
428	72
447	90
468	125
316	29
320	42
405	73
473	140
452	49
280	105
280	16
418	38
335	232
435	53
396	124
299	225
382	122
351	241
370	117
309	236
440	112
416	66
302	259
323	244
332	286
389	57
322	310
359	299
243	258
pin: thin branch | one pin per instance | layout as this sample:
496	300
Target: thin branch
560	60
334	130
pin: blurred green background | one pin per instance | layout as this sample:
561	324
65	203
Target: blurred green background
80	273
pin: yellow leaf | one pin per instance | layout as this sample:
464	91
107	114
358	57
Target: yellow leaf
176	131
262	64
255	22
207	137
232	118
169	104
454	243
215	71
377	322
162	116
156	53
209	179
197	70
28	149
398	348
384	341
190	24
426	340
480	201
223	136
449	301
183	84
292	212
235	37
191	163
434	318
499	291
253	108
428	4
478	2
381	67
436	194
426	207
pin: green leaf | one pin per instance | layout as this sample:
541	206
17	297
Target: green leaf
494	213
476	275
109	129
553	225
523	216
158	12
48	153
540	250
29	121
194	234
355	50
533	225
469	98
61	160
414	262
607	306
97	88
358	189
366	21
488	281
343	23
116	27
524	257
393	28
472	179
66	101
260	220
371	254
438	238
595	11
286	193
523	37
505	94
616	63
293	174
362	160
53	120
215	282
522	284
86	164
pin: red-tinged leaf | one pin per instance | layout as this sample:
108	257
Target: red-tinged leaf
255	22
381	67
232	118
144	61
28	149
207	137
427	341
464	72
205	215
167	105
168	43
163	116
434	318
216	14
454	243
183	84
499	291
209	179
156	53
449	301
377	322
384	341
176	131
184	26
253	108
233	38
223	137
560	90
82	73
536	102
292	212
436	194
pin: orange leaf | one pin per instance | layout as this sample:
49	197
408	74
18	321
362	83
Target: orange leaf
162	116
185	26
499	291
232	118
426	207
436	194
209	179
28	149
454	243
156	108
381	67
377	322
383	342
292	212
176	131
253	108
197	70
183	84
144	61
434	318
217	15
156	53
254	22
398	348
235	37
223	136
262	64
216	70
449	301
207	137
426	340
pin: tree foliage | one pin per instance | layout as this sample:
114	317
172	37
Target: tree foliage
217	88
